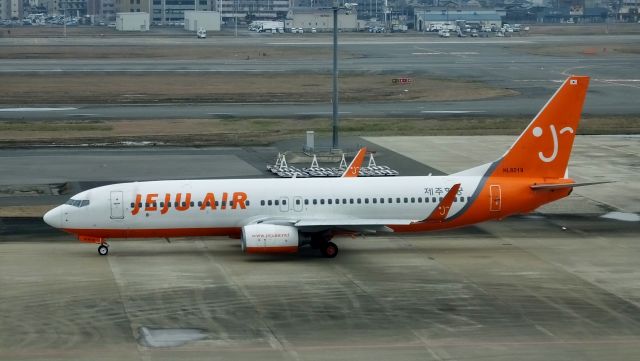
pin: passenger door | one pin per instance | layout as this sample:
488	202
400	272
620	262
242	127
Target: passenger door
117	205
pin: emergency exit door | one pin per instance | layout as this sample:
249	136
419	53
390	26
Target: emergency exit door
117	207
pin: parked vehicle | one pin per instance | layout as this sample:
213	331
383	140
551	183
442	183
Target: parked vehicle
201	33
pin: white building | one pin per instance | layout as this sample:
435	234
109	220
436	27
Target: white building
194	20
132	21
320	19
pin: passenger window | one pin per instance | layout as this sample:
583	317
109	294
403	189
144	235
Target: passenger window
140	205
344	201
359	201
350	200
192	204
329	201
406	200
390	200
366	200
217	203
176	204
441	199
419	199
381	200
161	204
230	203
184	204
132	204
284	202
461	199
375	200
306	202
413	199
146	205
262	202
315	201
322	201
297	202
398	200
433	199
276	202
455	199
337	200
269	202
247	203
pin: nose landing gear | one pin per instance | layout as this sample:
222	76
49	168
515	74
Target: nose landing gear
103	249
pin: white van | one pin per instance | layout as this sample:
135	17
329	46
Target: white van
201	33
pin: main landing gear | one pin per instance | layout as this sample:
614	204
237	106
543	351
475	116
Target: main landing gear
103	249
329	250
322	241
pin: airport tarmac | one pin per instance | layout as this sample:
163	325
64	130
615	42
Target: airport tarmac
560	284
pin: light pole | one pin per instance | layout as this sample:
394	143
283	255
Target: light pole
336	8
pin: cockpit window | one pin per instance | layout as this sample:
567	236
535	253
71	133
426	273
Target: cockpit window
78	202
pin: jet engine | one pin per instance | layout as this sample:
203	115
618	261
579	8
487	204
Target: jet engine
269	238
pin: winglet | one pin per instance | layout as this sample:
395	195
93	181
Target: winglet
440	213
354	167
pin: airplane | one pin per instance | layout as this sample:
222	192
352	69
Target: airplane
271	215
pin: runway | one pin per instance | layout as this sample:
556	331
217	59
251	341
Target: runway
558	284
505	63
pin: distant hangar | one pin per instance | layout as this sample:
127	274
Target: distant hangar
428	17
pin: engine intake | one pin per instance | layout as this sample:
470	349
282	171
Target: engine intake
269	238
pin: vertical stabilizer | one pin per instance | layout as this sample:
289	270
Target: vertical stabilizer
543	149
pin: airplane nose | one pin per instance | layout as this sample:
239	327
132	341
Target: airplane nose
53	217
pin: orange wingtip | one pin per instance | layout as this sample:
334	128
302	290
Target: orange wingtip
354	167
442	210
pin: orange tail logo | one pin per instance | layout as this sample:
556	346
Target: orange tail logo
543	149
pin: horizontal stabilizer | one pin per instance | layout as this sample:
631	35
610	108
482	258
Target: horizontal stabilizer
539	186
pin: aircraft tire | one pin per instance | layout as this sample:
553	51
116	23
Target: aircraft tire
103	250
329	250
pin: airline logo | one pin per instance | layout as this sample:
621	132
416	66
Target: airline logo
537	132
183	201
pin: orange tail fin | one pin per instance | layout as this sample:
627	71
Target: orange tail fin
543	149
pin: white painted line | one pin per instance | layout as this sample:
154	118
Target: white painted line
321	113
83	115
451	111
34	109
378	42
219	114
434	53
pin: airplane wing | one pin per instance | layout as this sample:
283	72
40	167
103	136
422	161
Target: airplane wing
540	186
365	224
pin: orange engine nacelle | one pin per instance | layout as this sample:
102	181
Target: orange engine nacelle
270	238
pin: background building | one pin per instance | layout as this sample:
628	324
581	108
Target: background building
320	19
209	20
132	21
254	9
426	17
173	10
